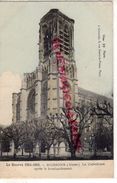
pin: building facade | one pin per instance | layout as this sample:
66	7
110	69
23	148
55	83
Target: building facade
41	92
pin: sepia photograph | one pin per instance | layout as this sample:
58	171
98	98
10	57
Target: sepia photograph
56	81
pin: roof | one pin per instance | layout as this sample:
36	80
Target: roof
89	94
56	12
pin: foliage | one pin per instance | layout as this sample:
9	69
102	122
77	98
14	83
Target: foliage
56	128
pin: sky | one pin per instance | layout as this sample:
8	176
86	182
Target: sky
19	37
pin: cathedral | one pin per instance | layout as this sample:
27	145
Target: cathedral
41	92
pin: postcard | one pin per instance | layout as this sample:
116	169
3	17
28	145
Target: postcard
56	89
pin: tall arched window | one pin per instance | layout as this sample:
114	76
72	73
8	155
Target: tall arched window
18	109
47	39
44	97
66	29
31	103
64	36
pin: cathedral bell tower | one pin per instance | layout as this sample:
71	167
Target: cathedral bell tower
56	25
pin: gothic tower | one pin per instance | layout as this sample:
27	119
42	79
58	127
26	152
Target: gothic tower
41	92
56	25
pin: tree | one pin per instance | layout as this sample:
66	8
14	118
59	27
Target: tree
1	137
103	138
53	135
86	116
28	138
4	141
82	119
14	132
5	144
46	134
103	111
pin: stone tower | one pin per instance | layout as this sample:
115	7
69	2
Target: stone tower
41	93
56	25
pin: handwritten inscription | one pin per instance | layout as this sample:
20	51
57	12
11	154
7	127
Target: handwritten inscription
72	121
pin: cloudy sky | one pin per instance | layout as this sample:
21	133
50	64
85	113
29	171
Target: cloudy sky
19	50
